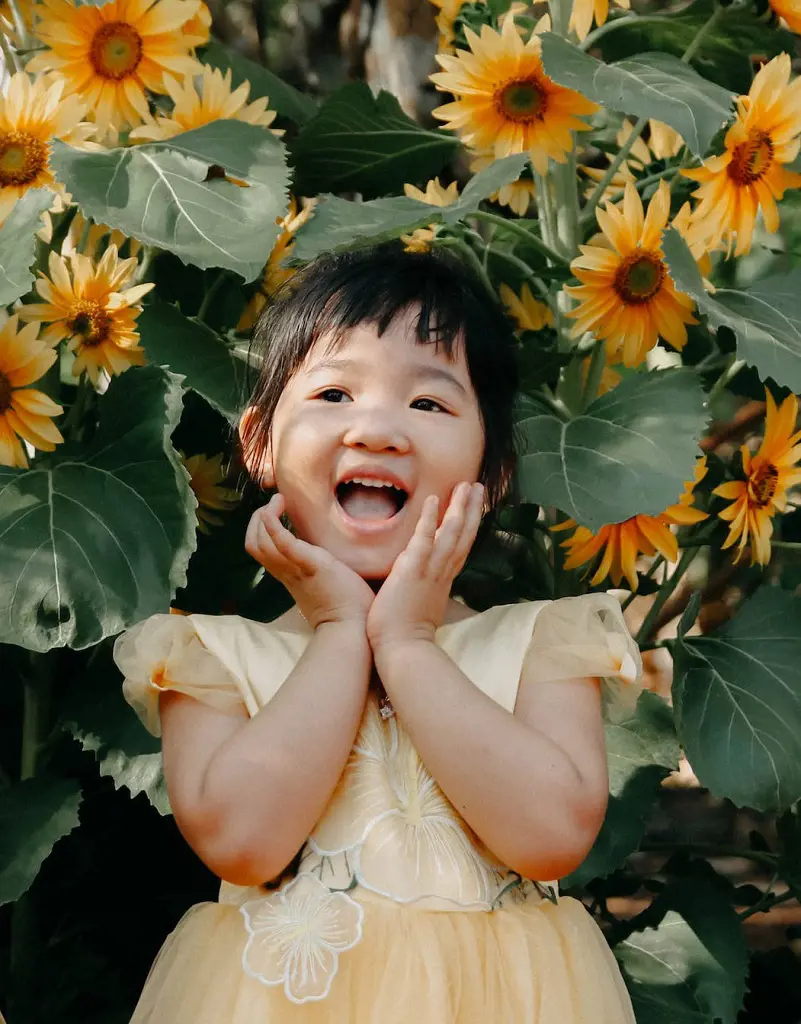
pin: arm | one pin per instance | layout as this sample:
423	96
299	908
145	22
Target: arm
533	784
246	793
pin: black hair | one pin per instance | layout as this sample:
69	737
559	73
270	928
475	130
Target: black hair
337	292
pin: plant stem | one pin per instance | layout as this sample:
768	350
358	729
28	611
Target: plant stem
555	404
612	169
615	23
642	183
659	560
594	374
661	598
10	55
765	905
523	267
546	215
701	850
460	246
211	294
786	545
728	375
19	24
523	233
701	35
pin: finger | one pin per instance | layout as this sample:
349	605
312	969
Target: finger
252	532
472	520
419	547
450	530
294	550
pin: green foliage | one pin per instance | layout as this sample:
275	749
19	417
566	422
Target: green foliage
179	194
649	85
97	538
364	143
628	453
18	243
737	696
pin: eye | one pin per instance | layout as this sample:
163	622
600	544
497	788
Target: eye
335	395
428	405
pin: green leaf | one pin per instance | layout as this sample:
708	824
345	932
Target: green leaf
173	194
34	815
97	715
283	98
364	143
737	702
725	54
94	539
339	223
692	967
655	85
193	350
641	750
766	318
629	453
18	243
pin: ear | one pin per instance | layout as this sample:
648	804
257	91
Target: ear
258	459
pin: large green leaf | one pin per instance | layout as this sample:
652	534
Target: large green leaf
283	98
724	57
363	143
188	347
18	243
175	194
339	223
737	702
98	716
766	318
691	969
629	453
641	750
654	85
34	815
94	539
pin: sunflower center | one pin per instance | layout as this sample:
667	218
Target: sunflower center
22	158
639	277
90	322
764	483
524	100
5	393
752	158
116	50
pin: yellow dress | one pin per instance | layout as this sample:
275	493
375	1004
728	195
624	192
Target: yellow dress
398	914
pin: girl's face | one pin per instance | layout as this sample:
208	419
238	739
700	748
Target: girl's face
362	435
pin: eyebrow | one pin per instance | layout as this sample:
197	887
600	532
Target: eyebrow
423	373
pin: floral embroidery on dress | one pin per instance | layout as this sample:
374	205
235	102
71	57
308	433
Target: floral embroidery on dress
296	935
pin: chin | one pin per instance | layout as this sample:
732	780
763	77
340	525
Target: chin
371	566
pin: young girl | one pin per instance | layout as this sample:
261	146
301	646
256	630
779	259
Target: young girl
436	768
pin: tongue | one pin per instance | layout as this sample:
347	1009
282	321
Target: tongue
368	502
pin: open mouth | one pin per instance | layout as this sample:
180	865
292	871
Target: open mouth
370	500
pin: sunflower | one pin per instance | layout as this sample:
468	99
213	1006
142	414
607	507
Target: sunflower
750	174
581	17
25	412
626	295
504	100
275	272
435	195
95	308
206	474
790	11
622	543
445	21
84	236
769	475
32	114
197	31
111	55
525	310
213	101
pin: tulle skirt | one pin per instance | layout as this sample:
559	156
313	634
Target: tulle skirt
529	963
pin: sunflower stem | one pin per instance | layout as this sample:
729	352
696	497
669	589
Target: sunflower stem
10	55
523	267
19	24
149	253
615	23
594	374
649	179
547	218
701	35
555	404
686	559
464	250
652	568
211	295
766	903
612	169
728	375
786	545
523	233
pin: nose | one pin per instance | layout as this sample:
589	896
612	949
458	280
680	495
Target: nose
376	430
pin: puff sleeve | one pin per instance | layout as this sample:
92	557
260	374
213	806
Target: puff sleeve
165	653
586	636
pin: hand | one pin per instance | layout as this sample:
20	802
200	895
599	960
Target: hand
324	589
412	601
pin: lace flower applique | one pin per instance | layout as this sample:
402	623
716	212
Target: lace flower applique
296	935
